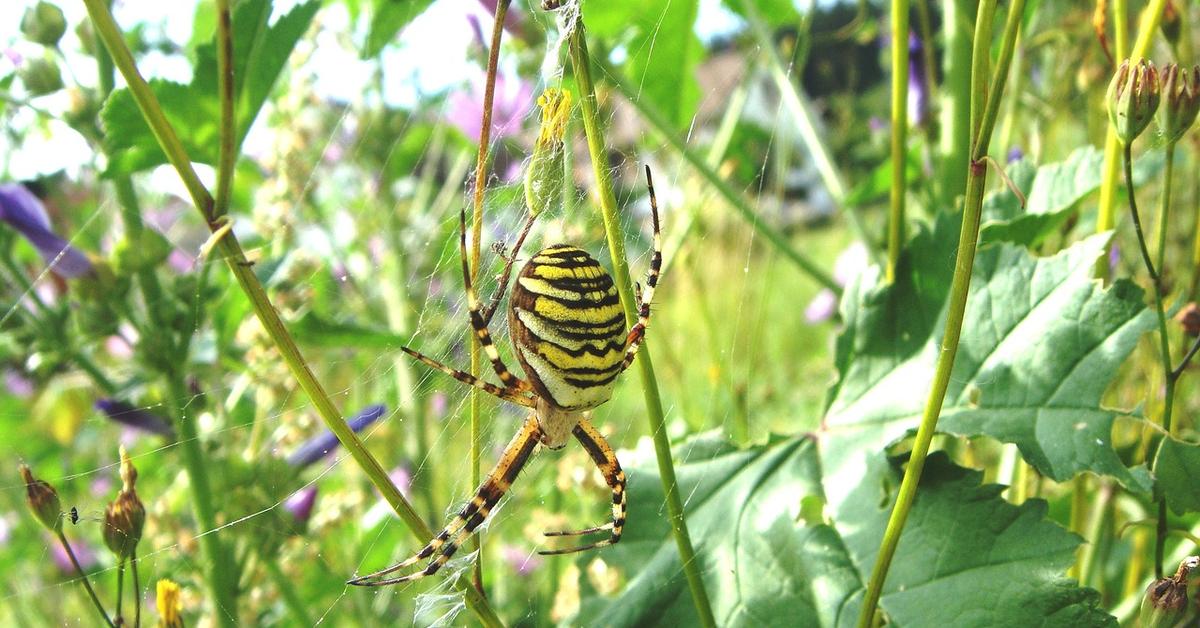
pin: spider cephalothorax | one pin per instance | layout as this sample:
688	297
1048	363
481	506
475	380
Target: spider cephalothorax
568	332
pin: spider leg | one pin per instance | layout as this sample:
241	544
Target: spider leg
507	394
510	381
472	515
638	332
597	447
507	273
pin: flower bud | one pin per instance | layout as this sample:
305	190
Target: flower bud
1133	97
125	516
1171	24
44	24
1181	92
42	500
1165	602
40	76
1189	319
544	174
170	606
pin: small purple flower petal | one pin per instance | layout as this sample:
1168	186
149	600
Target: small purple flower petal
521	561
1114	257
25	213
315	448
822	307
918	90
300	504
136	418
84	553
877	124
1015	154
509	106
17	384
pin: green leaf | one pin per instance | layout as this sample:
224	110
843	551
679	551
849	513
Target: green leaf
967	557
1176	468
1053	193
389	17
776	13
1041	341
661	47
260	53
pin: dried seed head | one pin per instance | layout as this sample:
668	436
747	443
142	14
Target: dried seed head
42	500
1181	95
125	517
1166	599
544	176
1133	97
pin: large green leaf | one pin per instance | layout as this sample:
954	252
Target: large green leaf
1041	341
967	557
260	53
1176	467
661	49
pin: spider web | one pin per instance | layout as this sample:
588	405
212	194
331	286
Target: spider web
333	248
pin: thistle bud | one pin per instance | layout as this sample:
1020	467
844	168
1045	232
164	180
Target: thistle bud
125	516
170	606
1165	602
1181	92
44	23
544	174
1133	97
42	500
40	76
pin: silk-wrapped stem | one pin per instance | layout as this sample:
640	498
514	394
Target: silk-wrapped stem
616	245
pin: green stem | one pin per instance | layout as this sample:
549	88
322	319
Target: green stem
227	156
735	199
229	249
62	538
137	590
963	264
1096	521
581	63
1164	342
899	135
481	163
120	588
806	122
291	598
220	578
1164	205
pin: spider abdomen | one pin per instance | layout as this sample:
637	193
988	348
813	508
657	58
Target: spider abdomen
567	327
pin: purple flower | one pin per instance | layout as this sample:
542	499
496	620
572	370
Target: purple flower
136	418
1114	257
918	89
300	504
877	124
84	553
25	213
315	448
822	307
521	561
17	384
1015	154
512	101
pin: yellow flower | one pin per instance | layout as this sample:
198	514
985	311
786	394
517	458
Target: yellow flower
170	608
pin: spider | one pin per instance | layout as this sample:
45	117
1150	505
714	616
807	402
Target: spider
568	331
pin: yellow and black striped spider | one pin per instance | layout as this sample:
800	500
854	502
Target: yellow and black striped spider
568	330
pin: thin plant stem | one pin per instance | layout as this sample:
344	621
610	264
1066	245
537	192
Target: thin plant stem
1097	519
581	62
229	248
1110	173
120	587
137	590
227	155
62	538
485	132
1164	205
954	147
959	287
700	166
899	136
1164	346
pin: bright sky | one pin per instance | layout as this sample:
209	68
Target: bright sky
431	57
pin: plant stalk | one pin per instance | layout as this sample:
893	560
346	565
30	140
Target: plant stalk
62	538
959	287
230	250
616	245
1164	205
899	136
